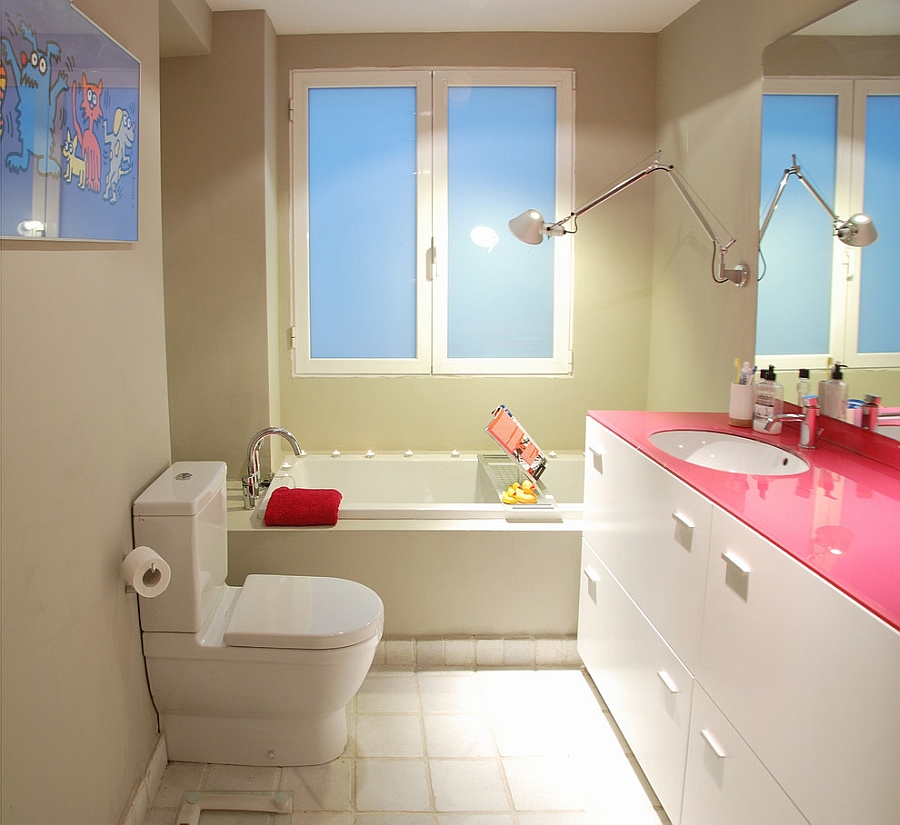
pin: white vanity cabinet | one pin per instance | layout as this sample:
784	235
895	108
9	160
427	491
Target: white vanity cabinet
652	532
644	569
645	686
726	784
751	691
809	677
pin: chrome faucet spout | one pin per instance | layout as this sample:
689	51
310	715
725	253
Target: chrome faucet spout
808	419
251	482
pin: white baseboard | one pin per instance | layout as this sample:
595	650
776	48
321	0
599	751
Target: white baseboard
148	785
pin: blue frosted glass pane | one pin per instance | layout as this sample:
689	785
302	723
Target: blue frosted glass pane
502	160
362	222
795	295
879	298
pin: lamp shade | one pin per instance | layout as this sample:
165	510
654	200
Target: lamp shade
857	230
529	226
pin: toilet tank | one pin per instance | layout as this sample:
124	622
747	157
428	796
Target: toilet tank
182	515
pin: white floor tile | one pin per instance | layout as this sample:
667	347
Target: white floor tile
392	785
387	692
320	787
451	692
468	785
549	784
389	734
449	735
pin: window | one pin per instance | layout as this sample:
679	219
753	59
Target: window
819	298
403	183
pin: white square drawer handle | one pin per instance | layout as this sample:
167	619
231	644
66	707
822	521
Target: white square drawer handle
711	740
736	561
668	681
683	520
591	574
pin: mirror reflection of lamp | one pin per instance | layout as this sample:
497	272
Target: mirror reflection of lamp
530	227
857	230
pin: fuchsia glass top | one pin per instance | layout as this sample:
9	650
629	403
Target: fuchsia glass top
841	518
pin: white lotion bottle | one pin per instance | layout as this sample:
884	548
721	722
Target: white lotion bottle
769	402
833	394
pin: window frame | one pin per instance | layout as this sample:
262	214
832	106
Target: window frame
432	277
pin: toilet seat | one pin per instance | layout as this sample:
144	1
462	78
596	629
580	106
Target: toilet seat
303	612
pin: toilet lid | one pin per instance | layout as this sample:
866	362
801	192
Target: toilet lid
305	612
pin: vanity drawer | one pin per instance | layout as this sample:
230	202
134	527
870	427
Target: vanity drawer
808	677
652	531
725	783
645	686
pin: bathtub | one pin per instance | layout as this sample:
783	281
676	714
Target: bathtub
429	534
434	486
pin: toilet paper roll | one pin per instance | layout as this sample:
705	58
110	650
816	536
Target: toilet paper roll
146	571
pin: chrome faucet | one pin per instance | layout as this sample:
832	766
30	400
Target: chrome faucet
873	417
252	483
809	420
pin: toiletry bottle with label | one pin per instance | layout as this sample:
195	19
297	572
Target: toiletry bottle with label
804	387
769	402
833	394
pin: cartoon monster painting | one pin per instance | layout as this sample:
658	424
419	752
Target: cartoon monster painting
2	93
74	164
90	145
120	141
35	113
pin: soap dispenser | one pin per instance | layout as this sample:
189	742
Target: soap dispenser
769	402
833	394
804	387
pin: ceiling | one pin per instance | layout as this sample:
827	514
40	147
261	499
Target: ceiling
370	16
864	17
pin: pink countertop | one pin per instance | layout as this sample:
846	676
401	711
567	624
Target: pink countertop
841	518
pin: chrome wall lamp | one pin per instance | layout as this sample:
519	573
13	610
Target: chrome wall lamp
857	230
530	227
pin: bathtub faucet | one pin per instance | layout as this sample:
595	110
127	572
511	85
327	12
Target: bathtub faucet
251	482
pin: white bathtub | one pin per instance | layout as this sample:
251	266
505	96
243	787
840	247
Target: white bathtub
434	486
429	535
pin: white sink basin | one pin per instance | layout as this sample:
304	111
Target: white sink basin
731	453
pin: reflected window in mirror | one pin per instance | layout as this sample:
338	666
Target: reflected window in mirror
819	298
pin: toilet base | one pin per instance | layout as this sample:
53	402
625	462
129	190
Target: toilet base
278	742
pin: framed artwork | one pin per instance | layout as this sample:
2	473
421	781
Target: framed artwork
69	104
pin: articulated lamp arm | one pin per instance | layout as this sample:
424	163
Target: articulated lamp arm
857	230
531	227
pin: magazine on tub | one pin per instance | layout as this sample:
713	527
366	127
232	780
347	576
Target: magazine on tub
512	437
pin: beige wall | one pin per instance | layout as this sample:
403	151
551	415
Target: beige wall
84	429
710	85
217	265
219	250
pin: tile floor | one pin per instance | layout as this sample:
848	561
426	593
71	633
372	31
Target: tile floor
455	747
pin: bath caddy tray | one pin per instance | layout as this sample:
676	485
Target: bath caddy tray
502	471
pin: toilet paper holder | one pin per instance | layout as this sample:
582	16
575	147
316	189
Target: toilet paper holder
145	572
151	576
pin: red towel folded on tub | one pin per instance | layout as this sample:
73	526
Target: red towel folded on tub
297	507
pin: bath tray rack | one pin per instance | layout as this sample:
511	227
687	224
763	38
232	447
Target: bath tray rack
502	471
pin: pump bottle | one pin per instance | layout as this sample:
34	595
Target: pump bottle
804	387
769	402
833	394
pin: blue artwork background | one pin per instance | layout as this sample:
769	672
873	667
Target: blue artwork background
36	124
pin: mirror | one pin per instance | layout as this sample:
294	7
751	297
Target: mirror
861	40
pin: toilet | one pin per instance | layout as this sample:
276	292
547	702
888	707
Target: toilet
252	675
